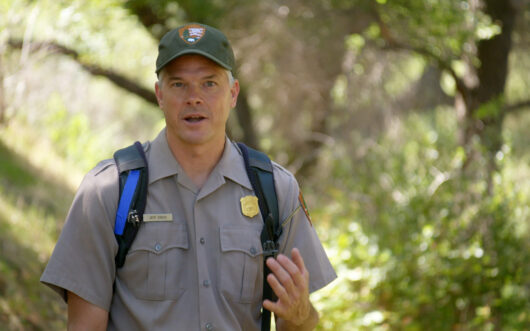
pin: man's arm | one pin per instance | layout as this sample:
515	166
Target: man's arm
289	279
82	315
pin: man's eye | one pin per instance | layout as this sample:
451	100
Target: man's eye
177	84
210	83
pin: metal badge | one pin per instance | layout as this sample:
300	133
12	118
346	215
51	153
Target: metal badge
249	206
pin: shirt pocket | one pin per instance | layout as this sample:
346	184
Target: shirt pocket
241	274
154	268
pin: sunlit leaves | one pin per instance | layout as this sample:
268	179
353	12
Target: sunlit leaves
101	32
441	27
426	248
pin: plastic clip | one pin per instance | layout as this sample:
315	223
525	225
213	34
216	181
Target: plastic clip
133	218
270	248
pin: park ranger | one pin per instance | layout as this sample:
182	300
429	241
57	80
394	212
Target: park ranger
197	261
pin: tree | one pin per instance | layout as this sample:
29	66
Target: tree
421	243
477	35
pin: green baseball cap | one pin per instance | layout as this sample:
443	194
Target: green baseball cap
195	38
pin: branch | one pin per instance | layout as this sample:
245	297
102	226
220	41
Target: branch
122	82
517	107
440	63
393	44
116	78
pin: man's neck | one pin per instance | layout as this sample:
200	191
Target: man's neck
197	161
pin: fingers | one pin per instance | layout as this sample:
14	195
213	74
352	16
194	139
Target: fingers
281	278
295	267
289	280
298	260
290	277
286	271
284	299
286	302
272	307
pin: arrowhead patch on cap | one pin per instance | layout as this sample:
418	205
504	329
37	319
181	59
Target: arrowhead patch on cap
191	33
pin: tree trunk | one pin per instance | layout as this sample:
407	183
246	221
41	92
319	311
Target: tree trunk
244	118
486	111
484	103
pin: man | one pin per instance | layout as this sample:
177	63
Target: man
197	261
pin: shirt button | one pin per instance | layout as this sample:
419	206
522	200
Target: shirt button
202	241
253	250
158	247
209	326
206	283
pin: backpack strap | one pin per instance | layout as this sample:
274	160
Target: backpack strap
133	178
260	173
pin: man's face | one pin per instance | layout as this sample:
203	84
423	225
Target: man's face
196	98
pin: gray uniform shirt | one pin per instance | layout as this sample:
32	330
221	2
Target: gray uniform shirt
197	260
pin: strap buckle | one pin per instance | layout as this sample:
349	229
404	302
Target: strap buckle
270	248
133	218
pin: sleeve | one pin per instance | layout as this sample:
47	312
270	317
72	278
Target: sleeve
83	259
299	232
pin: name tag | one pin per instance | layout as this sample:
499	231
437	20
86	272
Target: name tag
158	217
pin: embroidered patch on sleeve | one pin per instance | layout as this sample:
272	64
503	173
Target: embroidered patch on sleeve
304	207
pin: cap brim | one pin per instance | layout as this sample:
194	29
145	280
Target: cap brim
194	51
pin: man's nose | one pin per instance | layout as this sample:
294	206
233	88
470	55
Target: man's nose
193	96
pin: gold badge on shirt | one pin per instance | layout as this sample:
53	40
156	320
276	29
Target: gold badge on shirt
249	206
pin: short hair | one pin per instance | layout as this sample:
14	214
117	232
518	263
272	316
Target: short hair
231	79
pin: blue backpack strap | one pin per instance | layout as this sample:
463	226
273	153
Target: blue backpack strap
133	178
260	173
125	201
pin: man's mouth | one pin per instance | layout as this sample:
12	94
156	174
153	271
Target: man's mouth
194	118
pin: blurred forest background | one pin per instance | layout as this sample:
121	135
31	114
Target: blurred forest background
405	121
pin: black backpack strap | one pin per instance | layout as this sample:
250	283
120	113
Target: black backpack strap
260	173
133	178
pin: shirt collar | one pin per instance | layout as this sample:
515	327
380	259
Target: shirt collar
160	159
232	166
162	163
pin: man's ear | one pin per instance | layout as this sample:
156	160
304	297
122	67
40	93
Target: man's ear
159	95
234	91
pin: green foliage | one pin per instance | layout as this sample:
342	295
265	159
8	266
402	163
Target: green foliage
490	109
10	168
443	27
161	15
32	206
85	119
416	244
101	32
420	247
70	134
73	137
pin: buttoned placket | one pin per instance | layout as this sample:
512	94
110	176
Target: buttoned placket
205	295
204	226
204	232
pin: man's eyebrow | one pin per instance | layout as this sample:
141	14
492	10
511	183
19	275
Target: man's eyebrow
211	76
204	77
